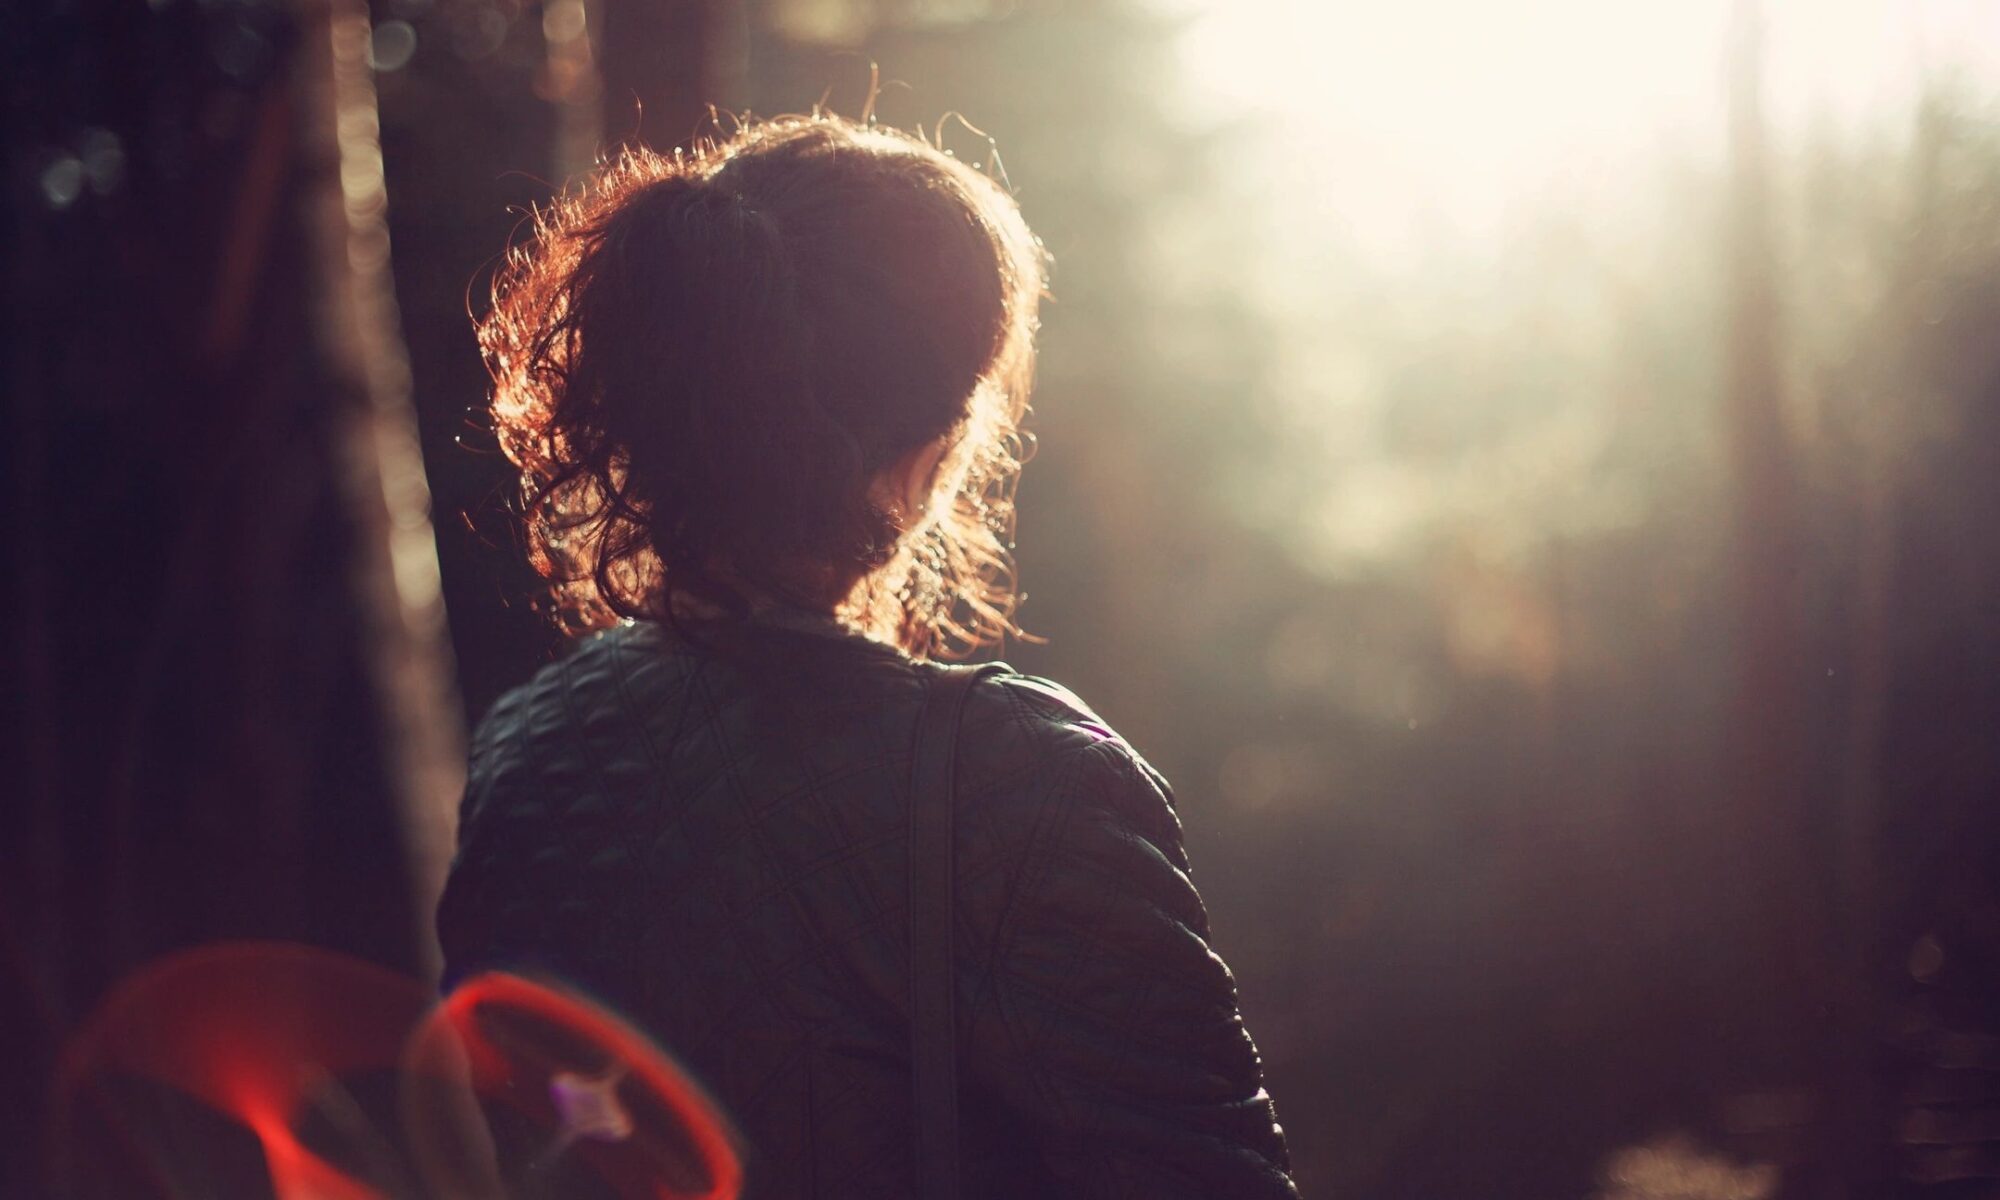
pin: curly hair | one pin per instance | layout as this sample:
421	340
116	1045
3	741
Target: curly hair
702	361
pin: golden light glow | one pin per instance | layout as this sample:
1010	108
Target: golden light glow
1436	118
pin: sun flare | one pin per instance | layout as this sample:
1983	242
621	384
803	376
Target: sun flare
1407	120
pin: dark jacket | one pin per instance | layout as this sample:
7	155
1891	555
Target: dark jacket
713	840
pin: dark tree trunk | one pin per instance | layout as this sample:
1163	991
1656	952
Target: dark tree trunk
1783	835
227	715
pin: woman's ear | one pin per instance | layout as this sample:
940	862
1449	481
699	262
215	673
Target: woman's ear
905	488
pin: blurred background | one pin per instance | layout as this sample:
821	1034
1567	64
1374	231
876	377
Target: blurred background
1529	473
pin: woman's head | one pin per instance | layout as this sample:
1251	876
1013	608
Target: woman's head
790	366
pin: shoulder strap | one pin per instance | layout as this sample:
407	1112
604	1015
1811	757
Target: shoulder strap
933	1019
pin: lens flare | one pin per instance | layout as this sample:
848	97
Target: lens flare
257	1068
258	1032
598	1091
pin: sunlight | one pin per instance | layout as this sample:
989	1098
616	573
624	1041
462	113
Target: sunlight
1450	206
1438	118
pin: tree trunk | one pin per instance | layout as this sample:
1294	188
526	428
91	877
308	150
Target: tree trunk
230	707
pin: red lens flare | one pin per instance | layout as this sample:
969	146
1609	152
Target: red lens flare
602	1091
259	1069
257	1032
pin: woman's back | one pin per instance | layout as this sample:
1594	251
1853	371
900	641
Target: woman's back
714	840
766	399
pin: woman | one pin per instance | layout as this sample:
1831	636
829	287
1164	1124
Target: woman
765	400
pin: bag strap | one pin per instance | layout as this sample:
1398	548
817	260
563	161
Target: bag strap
933	981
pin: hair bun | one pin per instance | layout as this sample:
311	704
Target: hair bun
700	362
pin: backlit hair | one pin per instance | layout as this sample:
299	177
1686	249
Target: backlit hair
701	360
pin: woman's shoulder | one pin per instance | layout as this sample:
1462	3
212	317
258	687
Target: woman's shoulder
1033	712
594	655
1033	749
1022	737
581	702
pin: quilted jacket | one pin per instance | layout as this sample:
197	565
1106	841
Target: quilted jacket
712	838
